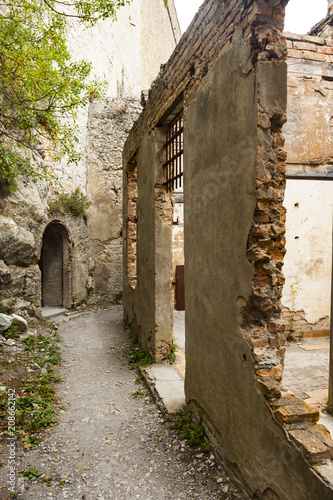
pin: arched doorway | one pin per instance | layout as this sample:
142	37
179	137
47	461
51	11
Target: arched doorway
55	266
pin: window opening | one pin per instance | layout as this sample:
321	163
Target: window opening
173	166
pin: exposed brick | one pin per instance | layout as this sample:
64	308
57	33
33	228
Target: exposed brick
269	388
275	372
276	254
262	281
290	409
313	448
274	342
314	56
259	342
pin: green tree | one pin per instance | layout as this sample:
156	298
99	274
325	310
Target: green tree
41	88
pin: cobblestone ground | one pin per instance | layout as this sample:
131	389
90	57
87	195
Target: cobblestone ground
110	444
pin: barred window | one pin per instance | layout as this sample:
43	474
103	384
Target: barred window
173	166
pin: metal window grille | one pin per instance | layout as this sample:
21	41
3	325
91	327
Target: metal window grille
173	167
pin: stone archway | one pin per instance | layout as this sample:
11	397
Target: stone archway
55	265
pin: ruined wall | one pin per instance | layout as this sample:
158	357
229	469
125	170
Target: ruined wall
309	190
109	123
148	307
228	73
121	53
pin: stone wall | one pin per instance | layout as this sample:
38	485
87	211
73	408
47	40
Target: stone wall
109	123
309	190
24	217
228	73
127	54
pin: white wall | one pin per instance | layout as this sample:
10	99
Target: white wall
309	247
127	54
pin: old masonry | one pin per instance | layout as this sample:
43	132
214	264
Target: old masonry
236	128
213	140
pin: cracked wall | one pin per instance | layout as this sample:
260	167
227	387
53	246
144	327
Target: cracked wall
229	74
309	191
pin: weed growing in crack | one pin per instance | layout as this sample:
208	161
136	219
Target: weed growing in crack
172	353
32	473
133	334
193	432
137	394
140	357
47	480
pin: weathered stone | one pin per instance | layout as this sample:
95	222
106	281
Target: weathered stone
323	434
5	275
5	322
269	387
17	245
290	409
313	448
21	323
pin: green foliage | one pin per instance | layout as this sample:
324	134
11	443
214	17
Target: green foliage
47	480
32	440
41	88
74	203
5	310
139	379
172	353
136	394
32	301
140	357
36	402
45	349
32	473
193	433
133	334
12	332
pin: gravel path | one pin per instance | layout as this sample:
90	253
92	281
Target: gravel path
109	444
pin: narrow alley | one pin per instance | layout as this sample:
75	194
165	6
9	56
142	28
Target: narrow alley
113	442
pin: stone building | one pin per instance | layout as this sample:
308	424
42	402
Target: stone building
215	123
56	259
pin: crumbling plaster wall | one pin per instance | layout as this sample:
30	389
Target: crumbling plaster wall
230	68
109	123
309	190
148	307
118	52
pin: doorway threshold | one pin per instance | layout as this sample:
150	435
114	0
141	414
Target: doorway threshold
167	387
52	312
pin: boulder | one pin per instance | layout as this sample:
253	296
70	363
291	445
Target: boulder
21	323
5	275
17	245
5	322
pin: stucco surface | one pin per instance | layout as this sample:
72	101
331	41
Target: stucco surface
309	145
308	259
220	157
142	299
309	129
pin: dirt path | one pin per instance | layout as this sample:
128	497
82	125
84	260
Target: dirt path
109	444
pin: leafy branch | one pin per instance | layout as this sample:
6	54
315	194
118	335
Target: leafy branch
41	88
